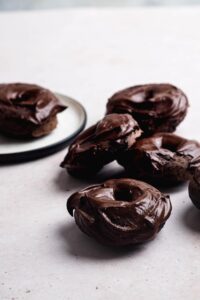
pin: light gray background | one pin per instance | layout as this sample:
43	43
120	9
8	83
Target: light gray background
89	54
42	4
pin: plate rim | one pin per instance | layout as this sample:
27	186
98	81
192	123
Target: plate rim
6	158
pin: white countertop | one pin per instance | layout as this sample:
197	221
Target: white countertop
89	54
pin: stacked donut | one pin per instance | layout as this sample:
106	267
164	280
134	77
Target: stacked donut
137	132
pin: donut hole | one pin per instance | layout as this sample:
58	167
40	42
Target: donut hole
126	194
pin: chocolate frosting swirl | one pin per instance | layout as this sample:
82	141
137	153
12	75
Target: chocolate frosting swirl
101	144
28	102
194	185
194	168
156	107
120	212
162	158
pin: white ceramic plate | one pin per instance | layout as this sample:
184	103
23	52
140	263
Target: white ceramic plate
70	123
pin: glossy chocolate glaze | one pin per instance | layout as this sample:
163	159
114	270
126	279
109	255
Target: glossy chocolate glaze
28	103
194	185
120	212
163	158
101	144
194	168
156	107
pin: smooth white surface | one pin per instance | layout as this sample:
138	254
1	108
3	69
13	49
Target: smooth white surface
69	121
89	54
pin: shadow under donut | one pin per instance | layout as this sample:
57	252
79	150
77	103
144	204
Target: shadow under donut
191	218
79	245
172	189
65	182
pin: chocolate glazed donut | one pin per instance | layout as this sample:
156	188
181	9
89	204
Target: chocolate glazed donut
120	212
162	159
28	110
100	144
194	185
156	107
